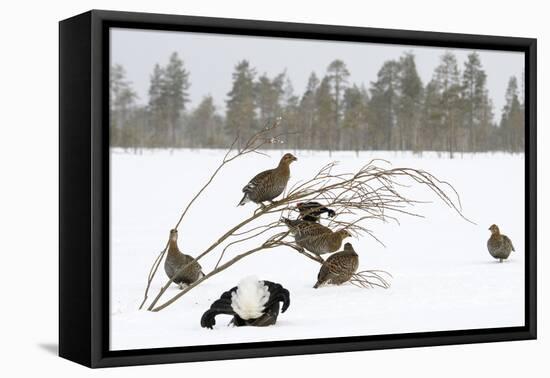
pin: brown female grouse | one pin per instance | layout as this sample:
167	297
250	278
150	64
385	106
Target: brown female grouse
315	237
267	185
339	267
175	261
499	246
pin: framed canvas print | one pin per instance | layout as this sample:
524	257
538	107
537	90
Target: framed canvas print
234	188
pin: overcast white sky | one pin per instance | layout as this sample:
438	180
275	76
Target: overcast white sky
211	58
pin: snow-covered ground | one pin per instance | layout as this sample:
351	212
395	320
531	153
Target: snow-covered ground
443	276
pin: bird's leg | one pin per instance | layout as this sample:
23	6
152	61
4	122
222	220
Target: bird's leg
262	207
182	285
312	256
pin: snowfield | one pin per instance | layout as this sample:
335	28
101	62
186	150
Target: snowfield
443	275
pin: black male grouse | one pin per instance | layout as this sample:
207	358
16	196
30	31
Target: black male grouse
312	211
251	303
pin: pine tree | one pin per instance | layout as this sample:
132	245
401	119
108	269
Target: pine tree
477	118
409	102
157	107
447	82
175	95
512	124
383	106
431	136
291	115
355	118
324	105
268	97
204	126
241	115
338	75
122	102
308	113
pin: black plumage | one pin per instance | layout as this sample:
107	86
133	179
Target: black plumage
312	211
251	303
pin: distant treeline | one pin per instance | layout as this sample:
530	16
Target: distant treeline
452	113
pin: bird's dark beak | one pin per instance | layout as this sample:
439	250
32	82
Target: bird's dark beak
294	158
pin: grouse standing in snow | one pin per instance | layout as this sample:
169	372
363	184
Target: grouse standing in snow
251	303
499	246
339	267
315	237
175	261
311	211
267	185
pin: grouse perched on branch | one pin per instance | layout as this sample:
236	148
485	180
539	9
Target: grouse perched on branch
339	267
315	237
176	261
499	246
251	303
267	185
311	211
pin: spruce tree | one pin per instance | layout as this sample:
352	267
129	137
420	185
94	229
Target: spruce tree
241	116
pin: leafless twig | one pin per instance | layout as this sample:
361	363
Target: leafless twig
373	193
371	278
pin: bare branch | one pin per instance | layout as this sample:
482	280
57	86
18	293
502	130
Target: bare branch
372	193
371	278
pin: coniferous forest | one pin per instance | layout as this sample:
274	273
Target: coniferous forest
451	113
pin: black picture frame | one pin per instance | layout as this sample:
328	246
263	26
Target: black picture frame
84	188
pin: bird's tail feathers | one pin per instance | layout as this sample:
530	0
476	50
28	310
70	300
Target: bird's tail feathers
250	298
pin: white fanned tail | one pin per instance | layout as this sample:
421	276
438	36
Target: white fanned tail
249	300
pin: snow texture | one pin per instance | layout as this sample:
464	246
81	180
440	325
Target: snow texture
443	275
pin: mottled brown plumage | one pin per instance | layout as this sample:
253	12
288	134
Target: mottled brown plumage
268	185
175	260
315	237
499	246
339	267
